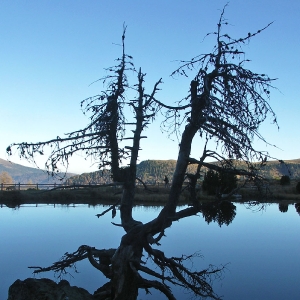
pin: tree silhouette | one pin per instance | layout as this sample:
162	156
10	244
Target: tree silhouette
283	207
297	206
298	187
210	182
220	212
215	183
285	180
227	103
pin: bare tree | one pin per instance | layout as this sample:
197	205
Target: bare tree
226	104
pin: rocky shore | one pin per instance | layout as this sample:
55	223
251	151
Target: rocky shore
46	289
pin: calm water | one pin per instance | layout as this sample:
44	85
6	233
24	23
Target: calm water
261	249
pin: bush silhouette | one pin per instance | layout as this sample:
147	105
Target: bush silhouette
285	180
210	182
283	207
222	182
228	182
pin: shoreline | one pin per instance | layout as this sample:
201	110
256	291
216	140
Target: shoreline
13	199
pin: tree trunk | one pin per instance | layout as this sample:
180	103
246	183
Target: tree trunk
125	280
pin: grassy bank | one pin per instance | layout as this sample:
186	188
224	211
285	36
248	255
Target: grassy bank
273	191
92	196
78	196
156	196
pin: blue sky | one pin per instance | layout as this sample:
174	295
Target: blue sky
52	50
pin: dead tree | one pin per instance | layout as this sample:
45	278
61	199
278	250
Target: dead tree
227	103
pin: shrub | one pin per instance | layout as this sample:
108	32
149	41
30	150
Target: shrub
283	207
210	182
223	182
285	180
228	182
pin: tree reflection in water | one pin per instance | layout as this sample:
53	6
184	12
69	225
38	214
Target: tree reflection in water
283	207
297	206
221	212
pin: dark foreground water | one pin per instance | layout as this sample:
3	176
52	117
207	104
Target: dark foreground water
261	248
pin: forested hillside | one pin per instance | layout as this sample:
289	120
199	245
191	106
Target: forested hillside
98	177
276	169
154	171
149	171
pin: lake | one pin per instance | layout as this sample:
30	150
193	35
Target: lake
260	248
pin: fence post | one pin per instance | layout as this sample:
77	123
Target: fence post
19	185
37	186
2	186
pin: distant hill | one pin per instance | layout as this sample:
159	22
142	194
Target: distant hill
24	174
97	177
151	171
275	169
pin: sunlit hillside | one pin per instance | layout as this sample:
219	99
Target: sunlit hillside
22	174
154	171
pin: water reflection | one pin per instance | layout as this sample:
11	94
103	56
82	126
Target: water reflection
39	235
221	212
283	207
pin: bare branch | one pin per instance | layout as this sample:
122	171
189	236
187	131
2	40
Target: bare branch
112	208
69	260
196	281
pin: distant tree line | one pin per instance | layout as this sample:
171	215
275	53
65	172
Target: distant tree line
154	172
98	177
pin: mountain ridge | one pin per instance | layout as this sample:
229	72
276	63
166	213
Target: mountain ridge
150	171
154	171
24	174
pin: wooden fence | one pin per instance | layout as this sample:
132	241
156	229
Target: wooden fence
42	186
50	186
